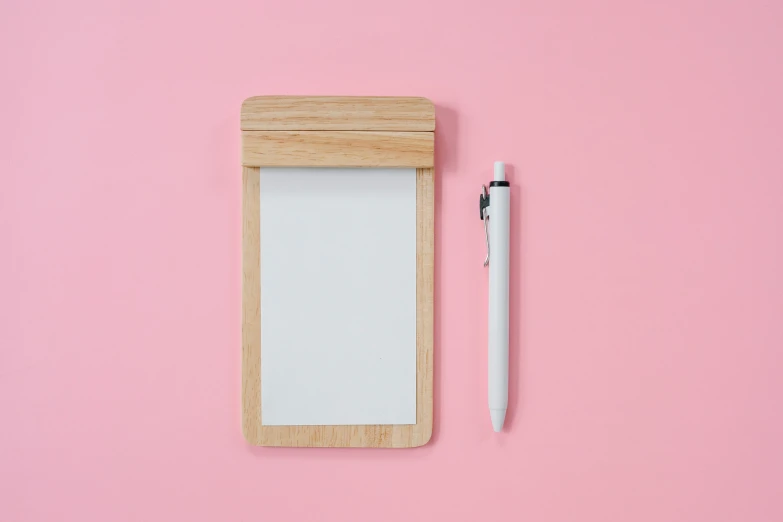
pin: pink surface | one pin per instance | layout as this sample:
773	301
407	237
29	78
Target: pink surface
644	140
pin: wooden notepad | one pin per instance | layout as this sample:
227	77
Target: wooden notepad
389	365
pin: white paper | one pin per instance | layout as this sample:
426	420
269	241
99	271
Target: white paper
338	296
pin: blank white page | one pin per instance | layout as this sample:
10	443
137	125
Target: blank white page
338	296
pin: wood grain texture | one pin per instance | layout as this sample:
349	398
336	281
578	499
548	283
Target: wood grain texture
271	113
337	149
251	304
378	436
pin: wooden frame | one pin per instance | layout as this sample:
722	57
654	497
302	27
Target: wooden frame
281	131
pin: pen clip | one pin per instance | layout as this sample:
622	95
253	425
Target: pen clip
483	205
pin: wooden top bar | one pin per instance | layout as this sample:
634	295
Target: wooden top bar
337	113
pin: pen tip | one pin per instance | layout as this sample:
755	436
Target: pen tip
498	417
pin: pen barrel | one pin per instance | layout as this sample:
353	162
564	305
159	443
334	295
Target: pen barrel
499	235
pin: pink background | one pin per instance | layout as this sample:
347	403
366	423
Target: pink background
644	140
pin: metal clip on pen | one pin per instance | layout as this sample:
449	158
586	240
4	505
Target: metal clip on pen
483	204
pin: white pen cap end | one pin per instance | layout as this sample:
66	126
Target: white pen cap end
500	171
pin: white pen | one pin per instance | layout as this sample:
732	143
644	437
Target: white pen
494	208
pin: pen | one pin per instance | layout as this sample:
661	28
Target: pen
494	208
